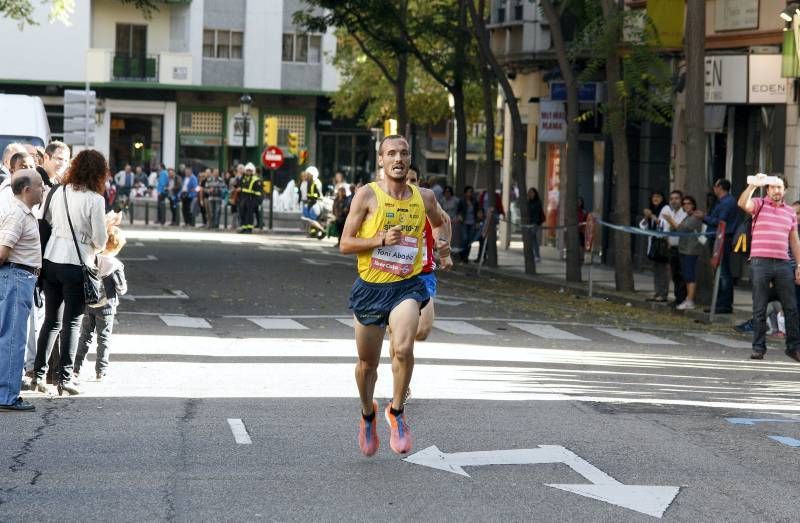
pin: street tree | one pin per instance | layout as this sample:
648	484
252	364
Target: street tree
555	16
623	47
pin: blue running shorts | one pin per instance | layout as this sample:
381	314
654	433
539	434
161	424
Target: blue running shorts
430	283
371	303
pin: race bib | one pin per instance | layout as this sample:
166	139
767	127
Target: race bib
396	259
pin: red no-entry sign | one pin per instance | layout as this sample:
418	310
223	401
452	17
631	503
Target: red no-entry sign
272	157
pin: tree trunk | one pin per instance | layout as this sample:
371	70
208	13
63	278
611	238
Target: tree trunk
696	183
517	156
400	94
570	183
621	167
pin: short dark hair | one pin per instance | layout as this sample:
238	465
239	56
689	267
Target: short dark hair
796	202
19	182
390	137
18	156
678	192
782	178
691	199
413	167
54	146
724	184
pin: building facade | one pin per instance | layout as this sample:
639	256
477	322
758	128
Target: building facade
169	85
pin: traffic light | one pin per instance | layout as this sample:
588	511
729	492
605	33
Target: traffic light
271	131
292	138
389	127
498	147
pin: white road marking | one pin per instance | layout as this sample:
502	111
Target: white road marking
347	321
278	324
460	327
176	295
721	340
648	499
476	300
547	331
325	263
638	337
149	257
239	431
173	320
447	302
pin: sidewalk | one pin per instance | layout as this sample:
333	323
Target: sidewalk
551	271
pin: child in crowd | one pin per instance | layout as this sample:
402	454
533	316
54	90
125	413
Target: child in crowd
101	319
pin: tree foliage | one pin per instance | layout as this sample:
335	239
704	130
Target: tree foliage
60	10
645	89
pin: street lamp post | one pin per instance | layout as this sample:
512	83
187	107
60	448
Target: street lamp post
246	102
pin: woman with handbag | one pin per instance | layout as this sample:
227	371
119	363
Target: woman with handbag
657	248
690	249
78	219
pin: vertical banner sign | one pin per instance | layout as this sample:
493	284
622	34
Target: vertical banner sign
552	122
726	79
719	244
668	19
766	85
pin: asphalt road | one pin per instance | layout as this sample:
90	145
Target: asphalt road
231	397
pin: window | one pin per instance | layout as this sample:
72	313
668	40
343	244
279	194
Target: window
302	48
208	43
224	44
518	10
500	11
314	49
288	48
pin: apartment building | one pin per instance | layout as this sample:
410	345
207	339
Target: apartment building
169	86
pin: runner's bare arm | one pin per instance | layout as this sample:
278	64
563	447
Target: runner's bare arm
440	223
363	203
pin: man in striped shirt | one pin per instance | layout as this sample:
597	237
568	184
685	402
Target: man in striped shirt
774	232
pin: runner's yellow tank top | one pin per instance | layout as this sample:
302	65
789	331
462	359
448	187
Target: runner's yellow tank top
394	262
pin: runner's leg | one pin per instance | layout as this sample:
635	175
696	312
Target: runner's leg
425	321
369	339
403	320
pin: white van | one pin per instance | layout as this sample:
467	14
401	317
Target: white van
23	119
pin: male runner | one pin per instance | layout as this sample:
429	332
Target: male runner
385	228
442	235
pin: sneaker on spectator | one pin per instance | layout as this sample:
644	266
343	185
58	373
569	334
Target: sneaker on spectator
744	327
686	305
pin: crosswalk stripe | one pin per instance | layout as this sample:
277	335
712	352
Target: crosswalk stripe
722	340
184	321
346	321
547	331
278	324
460	327
637	337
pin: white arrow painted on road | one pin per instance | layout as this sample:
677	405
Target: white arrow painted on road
648	499
149	257
176	295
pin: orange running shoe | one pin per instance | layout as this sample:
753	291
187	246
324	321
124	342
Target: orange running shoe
368	433
400	439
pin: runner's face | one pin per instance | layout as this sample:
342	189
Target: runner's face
395	159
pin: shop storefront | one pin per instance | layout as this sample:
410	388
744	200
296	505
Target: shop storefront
200	137
136	139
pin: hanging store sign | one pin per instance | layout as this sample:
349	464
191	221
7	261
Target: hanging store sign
726	79
236	126
587	92
766	85
733	15
552	122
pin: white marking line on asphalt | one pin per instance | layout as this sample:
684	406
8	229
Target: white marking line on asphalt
721	340
347	321
278	324
176	295
149	257
173	320
138	244
547	331
239	431
638	337
460	327
278	248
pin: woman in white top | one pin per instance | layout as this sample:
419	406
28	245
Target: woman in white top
62	276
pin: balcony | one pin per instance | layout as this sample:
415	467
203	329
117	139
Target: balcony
134	68
105	66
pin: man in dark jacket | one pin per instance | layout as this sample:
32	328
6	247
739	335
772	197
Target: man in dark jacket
725	210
